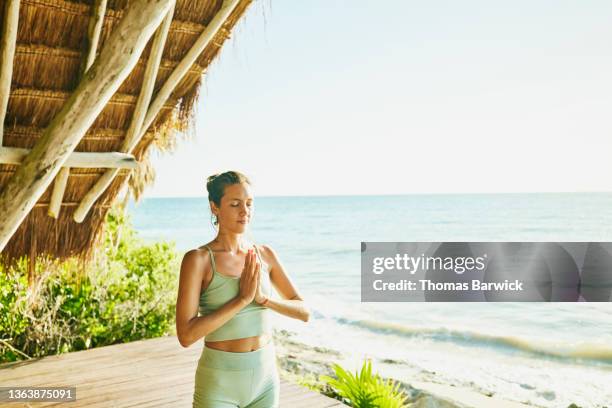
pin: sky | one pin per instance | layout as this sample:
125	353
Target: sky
326	97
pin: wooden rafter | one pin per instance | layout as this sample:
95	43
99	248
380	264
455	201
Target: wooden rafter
183	67
148	84
144	98
91	160
116	60
57	195
93	37
59	188
158	102
7	54
93	32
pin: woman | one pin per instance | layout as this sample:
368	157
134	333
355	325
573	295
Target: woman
229	282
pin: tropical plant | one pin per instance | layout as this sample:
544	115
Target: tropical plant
366	390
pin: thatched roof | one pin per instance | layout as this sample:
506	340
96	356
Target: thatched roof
50	47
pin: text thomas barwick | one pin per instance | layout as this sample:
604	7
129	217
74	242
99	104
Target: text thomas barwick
425	284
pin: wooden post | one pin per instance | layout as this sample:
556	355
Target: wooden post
7	55
116	60
93	35
160	99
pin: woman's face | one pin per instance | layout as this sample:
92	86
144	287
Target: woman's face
236	208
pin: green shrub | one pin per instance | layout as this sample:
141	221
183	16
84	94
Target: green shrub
13	319
126	293
365	390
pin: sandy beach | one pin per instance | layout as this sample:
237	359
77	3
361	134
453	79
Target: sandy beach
304	364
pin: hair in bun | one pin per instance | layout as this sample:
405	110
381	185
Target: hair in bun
215	184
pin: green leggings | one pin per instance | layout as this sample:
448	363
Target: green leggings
245	380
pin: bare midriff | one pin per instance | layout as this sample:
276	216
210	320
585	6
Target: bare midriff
240	345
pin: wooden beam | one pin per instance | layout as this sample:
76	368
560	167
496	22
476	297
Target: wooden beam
150	75
93	37
94	30
160	99
7	54
151	70
87	160
57	196
183	67
116	60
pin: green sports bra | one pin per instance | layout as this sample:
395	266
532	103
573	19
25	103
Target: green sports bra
252	320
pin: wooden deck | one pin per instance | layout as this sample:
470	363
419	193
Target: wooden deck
146	373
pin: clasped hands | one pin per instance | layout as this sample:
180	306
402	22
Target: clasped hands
250	283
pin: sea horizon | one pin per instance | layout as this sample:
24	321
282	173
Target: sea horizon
471	193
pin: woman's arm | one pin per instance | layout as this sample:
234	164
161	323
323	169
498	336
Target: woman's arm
189	327
292	304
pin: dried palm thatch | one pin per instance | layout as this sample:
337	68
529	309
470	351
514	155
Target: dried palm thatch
50	49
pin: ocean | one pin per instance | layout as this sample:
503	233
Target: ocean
544	354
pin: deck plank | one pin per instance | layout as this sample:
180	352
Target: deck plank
141	374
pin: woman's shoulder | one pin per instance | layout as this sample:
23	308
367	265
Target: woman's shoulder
197	254
196	262
267	253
